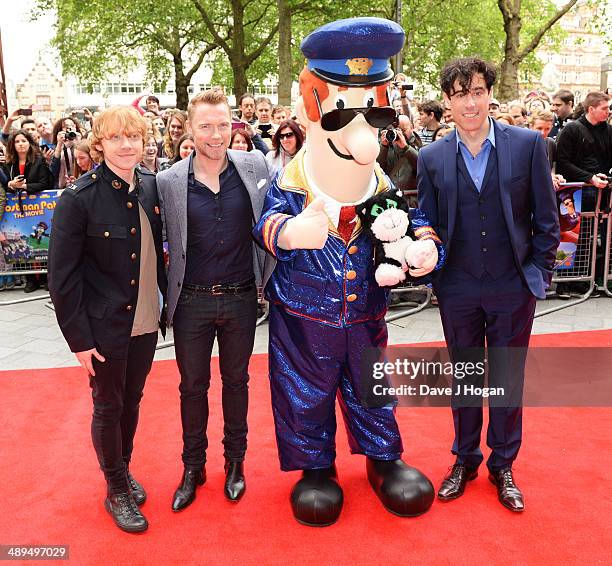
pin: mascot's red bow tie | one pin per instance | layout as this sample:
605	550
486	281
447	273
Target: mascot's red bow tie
346	223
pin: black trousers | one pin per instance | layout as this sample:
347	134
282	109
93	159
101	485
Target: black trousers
501	312
199	317
117	390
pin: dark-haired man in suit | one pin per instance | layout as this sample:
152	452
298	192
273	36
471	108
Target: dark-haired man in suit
487	190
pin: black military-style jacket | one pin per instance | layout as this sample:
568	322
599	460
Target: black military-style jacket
94	259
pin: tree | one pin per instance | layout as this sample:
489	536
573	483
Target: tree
233	31
514	52
99	37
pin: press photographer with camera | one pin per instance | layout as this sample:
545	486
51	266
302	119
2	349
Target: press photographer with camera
398	155
399	94
66	133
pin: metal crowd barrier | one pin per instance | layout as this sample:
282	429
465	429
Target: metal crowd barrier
18	269
607	216
583	269
410	305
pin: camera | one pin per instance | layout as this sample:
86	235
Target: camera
70	136
390	135
404	86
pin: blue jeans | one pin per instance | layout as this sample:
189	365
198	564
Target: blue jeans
199	317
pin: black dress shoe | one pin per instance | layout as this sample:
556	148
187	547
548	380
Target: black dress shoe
509	494
403	490
234	481
124	511
455	481
316	500
186	491
31	285
136	489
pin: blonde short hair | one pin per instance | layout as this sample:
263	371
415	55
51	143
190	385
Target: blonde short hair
213	96
115	120
544	115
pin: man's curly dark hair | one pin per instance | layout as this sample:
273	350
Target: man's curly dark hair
463	70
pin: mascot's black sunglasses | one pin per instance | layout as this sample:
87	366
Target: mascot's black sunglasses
376	116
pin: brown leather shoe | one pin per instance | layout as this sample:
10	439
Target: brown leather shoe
509	494
455	481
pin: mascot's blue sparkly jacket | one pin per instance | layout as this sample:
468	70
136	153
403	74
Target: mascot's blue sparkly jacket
335	285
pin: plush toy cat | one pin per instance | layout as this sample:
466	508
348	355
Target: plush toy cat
386	218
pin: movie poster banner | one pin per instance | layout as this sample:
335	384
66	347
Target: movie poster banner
569	203
25	229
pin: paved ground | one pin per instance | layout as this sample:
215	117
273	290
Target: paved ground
30	337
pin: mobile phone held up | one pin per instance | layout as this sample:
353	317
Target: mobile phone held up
25	111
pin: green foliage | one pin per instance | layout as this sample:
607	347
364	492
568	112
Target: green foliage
98	37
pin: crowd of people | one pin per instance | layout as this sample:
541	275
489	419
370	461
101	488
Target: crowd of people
38	155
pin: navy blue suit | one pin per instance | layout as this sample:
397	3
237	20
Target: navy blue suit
501	244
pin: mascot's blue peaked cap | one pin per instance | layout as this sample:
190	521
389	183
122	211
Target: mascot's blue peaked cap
353	52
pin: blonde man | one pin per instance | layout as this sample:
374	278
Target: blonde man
209	204
106	272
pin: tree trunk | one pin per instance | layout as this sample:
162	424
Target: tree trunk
237	57
508	82
284	53
181	84
508	88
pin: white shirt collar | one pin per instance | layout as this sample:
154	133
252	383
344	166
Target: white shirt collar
332	206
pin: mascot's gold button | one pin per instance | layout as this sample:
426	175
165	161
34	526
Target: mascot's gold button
133	231
116	184
350	275
106	234
129	307
133	256
353	250
93	176
133	282
129	204
352	297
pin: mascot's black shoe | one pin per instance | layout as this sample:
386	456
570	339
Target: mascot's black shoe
317	498
136	489
185	493
403	490
234	481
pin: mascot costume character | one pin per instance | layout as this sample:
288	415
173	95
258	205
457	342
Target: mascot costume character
325	304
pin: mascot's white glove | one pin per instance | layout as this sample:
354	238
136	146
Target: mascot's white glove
422	255
306	231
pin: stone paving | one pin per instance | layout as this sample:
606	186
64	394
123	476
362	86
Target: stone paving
30	337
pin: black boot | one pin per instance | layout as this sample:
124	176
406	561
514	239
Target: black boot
136	489
234	481
402	490
186	491
317	498
124	511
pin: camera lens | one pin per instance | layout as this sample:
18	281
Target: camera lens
70	136
390	135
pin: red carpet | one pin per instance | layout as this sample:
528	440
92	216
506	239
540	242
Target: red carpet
52	490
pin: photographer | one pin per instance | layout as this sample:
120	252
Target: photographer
398	156
400	93
66	134
21	114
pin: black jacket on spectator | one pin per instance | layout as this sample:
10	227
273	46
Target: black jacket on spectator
37	175
94	259
584	149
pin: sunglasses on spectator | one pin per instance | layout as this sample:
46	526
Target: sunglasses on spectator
286	136
376	116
